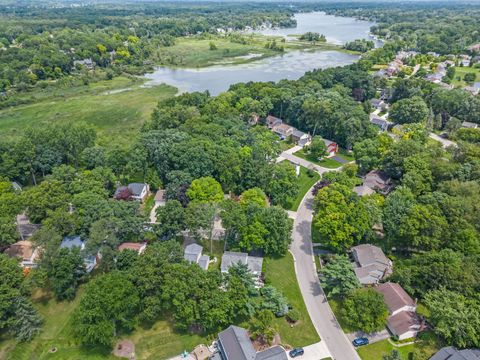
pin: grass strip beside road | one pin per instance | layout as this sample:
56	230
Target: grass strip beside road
281	274
305	181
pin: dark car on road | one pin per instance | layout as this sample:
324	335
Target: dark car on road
296	352
360	341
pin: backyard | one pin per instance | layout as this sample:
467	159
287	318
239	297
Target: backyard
460	72
281	274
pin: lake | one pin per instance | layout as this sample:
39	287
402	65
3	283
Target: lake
291	65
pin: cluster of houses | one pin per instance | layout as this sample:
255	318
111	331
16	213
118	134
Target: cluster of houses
371	266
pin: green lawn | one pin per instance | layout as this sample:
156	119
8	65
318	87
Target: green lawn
427	344
116	116
281	274
305	181
344	154
326	162
460	72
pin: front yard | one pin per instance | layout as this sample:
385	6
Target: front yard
326	162
281	274
305	181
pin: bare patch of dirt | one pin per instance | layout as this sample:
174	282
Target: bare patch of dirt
125	349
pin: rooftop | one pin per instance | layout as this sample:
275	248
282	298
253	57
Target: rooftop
450	353
136	188
395	297
404	321
71	242
21	249
131	246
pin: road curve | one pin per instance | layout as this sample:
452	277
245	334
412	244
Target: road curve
321	315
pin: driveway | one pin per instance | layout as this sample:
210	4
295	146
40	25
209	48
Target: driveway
153	214
373	337
445	143
316	302
316	351
286	155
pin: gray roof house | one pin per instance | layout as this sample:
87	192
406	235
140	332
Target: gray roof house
382	124
450	353
378	104
469	125
300	138
371	264
69	242
379	181
193	254
234	344
138	191
254	263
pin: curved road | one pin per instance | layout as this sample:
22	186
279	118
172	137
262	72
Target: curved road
322	316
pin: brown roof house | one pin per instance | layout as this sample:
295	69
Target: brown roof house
272	121
403	321
379	181
25	251
283	130
371	265
138	247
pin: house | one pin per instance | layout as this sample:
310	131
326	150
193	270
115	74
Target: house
378	104
450	353
382	124
160	198
235	344
370	264
272	121
332	147
472	90
283	130
88	63
70	242
474	48
300	138
134	191
25	228
25	251
379	181
254	264
193	254
469	125
138	247
402	321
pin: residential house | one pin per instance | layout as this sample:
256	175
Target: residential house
402	321
300	138
138	247
25	228
70	242
137	191
272	121
378	104
332	147
283	130
363	190
88	63
469	125
235	344
474	48
193	254
370	264
381	123
472	90
160	198
450	353
379	181
25	251
231	258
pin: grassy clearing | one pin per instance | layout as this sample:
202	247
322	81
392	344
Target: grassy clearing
460	73
305	181
326	162
427	344
281	274
115	116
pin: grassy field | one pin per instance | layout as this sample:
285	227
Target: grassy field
305	181
460	73
115	116
281	274
196	52
326	162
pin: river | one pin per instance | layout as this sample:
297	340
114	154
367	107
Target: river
290	65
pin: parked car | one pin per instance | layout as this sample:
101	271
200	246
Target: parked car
296	352
360	341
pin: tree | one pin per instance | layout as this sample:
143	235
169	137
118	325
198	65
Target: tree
27	322
282	185
109	304
317	148
66	271
410	110
205	189
253	196
278	228
455	318
338	277
394	355
171	219
365	310
274	301
10	290
470	77
261	326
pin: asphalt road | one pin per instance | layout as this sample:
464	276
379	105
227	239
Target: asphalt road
320	313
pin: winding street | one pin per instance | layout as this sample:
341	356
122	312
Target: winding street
316	302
